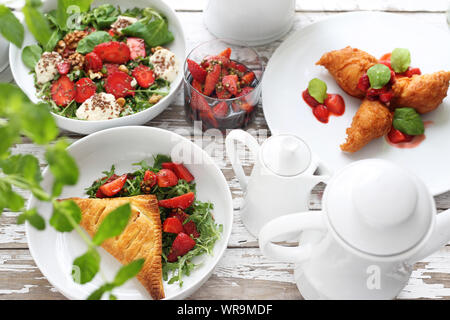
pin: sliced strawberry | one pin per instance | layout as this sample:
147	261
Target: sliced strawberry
63	91
230	83
172	225
113	51
248	78
208	116
137	47
226	53
119	84
167	178
412	71
112	188
212	60
197	85
387	63
237	66
221	110
386	56
168	165
211	80
245	91
335	104
223	93
183	202
364	83
111	32
197	72
180	246
386	97
85	88
189	227
99	194
63	67
396	136
93	62
321	113
198	102
144	76
150	178
247	107
309	99
111	68
182	172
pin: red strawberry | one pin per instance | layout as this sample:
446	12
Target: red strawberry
144	76
386	97
211	80
245	91
63	67
99	194
172	225
180	246
198	102
112	188
85	88
111	68
211	60
335	104
113	51
223	94
183	202
237	66
247	107
412	71
221	110
182	172
189	227
396	136
119	84
197	72
167	178
150	178
63	91
248	78
230	83
226	53
321	113
387	63
364	83
111	32
197	85
168	165
309	99
137	47
208	116
93	62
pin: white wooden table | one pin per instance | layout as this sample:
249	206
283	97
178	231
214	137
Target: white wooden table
243	273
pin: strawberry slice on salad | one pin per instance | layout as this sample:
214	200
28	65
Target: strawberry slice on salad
137	47
93	62
113	51
119	84
63	91
85	88
167	178
63	67
189	227
112	188
172	225
182	244
183	202
180	170
144	76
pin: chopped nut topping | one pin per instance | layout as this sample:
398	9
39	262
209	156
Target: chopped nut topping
121	102
154	98
76	59
95	75
123	68
71	39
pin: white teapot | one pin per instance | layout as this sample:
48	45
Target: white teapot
377	221
281	180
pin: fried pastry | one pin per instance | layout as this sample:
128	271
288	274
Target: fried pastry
347	66
371	121
142	237
421	92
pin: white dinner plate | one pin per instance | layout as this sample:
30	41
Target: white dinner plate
54	251
292	66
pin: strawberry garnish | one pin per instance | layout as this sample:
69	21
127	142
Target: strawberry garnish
137	47
113	51
85	88
111	32
321	113
248	78
63	67
222	93
182	172
364	83
230	83
189	227
180	246
237	66
197	72
412	71
93	62
221	110
198	102
309	99
208	116
335	104
183	202
211	60
197	85
112	188
396	136
111	68
172	225
150	178
119	84
244	91
144	76
63	91
167	178
211	80
226	53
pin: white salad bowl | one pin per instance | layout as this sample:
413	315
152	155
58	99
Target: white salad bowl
54	251
25	81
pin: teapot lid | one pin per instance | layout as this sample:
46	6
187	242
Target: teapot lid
286	154
378	208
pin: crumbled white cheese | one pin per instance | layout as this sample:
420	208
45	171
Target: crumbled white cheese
133	82
101	106
122	22
46	68
165	64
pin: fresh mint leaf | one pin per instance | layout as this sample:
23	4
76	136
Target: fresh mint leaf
25	166
113	225
105	15
9	134
36	21
53	41
31	55
86	266
65	214
159	159
10	26
88	43
127	272
33	217
400	59
408	121
33	114
61	163
97	294
10	96
379	75
9	198
318	90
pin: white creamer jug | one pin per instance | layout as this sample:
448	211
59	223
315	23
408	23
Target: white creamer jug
281	180
377	220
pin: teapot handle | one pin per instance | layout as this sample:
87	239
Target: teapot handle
283	228
246	139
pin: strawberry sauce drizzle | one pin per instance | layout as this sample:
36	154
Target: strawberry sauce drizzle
416	141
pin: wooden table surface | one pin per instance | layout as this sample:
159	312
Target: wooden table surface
243	273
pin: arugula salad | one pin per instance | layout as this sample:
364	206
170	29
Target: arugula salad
189	229
101	63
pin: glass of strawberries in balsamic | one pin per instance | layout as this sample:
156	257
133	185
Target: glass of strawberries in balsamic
222	85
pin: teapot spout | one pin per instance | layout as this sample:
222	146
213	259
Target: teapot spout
439	238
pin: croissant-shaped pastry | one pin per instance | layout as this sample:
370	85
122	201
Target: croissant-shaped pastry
347	66
421	92
371	121
142	237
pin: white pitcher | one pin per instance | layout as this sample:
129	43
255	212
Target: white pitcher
377	220
254	22
281	180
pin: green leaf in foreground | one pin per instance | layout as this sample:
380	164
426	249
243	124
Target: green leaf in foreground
37	123
33	217
36	22
86	266
88	43
62	165
113	225
408	121
10	26
31	55
9	198
379	75
317	89
25	166
400	59
66	214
